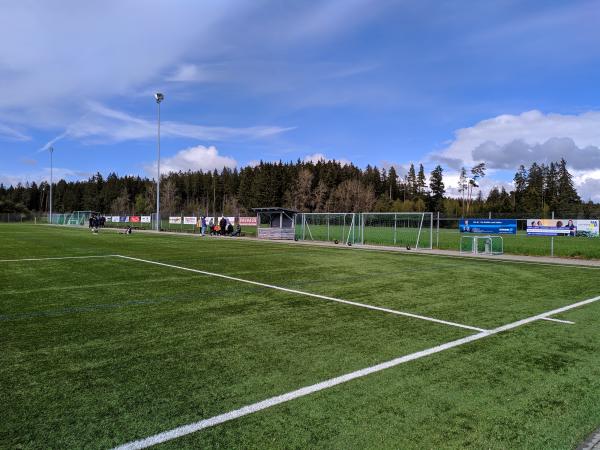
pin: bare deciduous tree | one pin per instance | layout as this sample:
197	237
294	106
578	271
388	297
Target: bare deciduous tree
353	196
168	197
121	205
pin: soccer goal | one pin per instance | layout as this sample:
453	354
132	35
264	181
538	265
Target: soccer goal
405	229
410	230
482	245
328	227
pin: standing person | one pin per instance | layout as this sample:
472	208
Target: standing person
202	226
223	225
94	224
572	228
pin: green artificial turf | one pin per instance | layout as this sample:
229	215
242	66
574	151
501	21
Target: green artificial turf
101	351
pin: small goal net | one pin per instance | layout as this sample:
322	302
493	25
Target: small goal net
482	245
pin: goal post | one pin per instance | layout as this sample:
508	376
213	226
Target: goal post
406	229
482	245
327	227
412	230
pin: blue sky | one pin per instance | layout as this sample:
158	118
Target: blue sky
372	82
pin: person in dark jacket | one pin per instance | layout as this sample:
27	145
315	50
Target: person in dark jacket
238	231
223	225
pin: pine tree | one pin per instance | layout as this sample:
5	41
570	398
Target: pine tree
567	195
477	172
463	184
392	179
437	188
411	183
551	186
520	182
532	197
421	182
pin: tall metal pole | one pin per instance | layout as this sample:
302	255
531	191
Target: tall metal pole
552	240
51	149
437	235
159	98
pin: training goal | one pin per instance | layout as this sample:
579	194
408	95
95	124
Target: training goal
406	229
482	245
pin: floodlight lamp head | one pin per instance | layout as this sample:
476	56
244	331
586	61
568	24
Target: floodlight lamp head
159	97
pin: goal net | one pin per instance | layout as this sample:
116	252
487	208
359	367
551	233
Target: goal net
411	230
482	245
328	227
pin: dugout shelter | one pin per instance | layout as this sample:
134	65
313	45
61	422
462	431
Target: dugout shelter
275	223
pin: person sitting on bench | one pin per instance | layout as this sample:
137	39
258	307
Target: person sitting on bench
238	231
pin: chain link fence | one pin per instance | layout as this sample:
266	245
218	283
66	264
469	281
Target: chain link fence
400	229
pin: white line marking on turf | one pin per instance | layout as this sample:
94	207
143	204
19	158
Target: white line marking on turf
558	320
57	257
259	406
294	291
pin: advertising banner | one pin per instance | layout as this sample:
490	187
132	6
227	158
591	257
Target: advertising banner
248	221
189	220
145	219
116	219
551	227
588	228
175	219
134	219
109	219
488	226
124	219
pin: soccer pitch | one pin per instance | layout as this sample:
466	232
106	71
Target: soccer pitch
188	342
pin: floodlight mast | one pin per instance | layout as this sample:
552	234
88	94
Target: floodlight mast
159	98
51	150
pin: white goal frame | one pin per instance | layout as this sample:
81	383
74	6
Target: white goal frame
488	245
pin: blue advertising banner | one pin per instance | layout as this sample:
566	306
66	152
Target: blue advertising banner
488	226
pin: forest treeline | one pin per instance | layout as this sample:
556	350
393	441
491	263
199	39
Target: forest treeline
325	186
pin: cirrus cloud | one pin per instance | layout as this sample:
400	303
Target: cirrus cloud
103	124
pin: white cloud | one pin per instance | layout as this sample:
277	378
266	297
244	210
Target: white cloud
504	142
587	183
532	136
401	169
12	134
486	184
58	173
193	158
589	189
56	54
101	123
316	157
188	73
